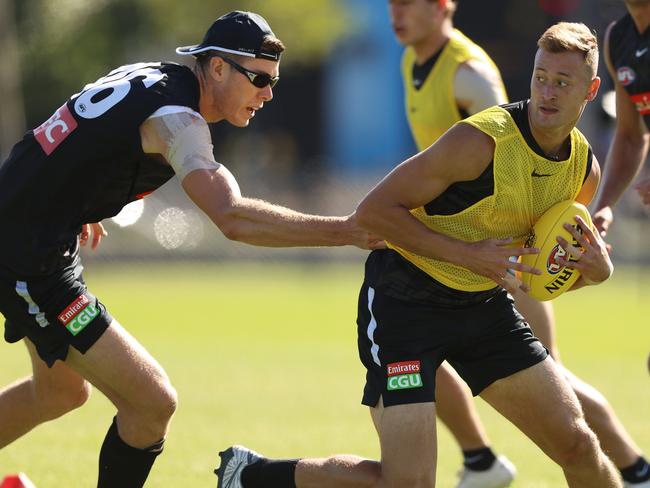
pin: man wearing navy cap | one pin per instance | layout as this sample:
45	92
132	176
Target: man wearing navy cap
114	142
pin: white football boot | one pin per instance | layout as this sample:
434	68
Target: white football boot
233	461
500	475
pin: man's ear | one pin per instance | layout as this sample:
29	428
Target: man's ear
593	89
216	70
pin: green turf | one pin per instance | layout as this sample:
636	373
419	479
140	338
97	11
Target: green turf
266	356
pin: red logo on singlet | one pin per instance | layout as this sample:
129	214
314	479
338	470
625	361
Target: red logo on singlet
642	102
54	130
625	75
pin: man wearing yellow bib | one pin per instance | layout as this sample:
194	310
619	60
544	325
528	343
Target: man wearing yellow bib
452	214
447	77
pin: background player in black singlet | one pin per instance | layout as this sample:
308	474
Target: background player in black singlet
113	142
627	54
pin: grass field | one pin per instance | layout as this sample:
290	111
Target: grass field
265	355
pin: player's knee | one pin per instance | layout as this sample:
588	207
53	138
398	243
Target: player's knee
58	400
164	405
579	446
170	401
152	416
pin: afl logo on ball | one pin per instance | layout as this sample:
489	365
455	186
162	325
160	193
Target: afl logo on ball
551	263
625	75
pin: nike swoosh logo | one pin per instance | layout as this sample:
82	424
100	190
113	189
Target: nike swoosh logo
535	174
643	471
640	52
473	459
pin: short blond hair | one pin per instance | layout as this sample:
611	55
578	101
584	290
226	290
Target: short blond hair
572	36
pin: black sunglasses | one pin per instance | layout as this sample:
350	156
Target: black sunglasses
260	80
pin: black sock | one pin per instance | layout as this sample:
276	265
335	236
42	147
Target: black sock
123	466
267	473
479	459
638	472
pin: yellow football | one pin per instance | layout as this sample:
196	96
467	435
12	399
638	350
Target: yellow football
555	279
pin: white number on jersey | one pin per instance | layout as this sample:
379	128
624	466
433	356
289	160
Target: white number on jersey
119	82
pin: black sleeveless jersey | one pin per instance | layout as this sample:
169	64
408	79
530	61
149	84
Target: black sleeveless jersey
85	162
629	52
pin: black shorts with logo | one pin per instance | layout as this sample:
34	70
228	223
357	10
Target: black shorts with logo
55	311
408	324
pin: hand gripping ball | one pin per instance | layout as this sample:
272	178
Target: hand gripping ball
555	279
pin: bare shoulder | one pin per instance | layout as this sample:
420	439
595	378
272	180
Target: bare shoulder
475	70
478	85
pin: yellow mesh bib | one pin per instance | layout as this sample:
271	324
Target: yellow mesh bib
519	198
432	109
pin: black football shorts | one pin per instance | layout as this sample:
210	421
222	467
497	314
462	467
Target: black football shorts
54	311
403	342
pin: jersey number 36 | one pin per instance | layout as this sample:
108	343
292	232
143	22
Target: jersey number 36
119	82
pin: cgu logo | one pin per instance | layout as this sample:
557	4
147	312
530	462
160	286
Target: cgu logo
82	319
405	381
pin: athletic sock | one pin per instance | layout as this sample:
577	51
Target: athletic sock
278	473
123	466
479	459
638	472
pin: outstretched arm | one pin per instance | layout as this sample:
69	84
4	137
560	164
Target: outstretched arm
183	139
626	154
264	224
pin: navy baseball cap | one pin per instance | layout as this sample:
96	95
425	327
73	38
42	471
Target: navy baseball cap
236	32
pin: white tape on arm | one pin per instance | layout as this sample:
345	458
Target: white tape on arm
186	139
